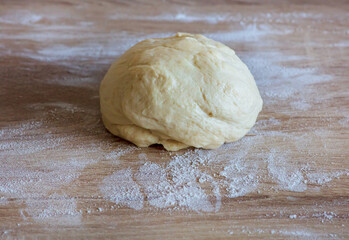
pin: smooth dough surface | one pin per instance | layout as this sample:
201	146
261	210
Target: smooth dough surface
181	91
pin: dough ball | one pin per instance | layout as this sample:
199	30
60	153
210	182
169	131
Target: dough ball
180	91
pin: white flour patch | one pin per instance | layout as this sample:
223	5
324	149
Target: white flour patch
54	33
117	153
142	157
344	121
32	184
56	210
197	180
248	33
34	162
3	201
67	107
323	177
214	18
85	50
292	232
325	216
103	48
288	178
341	44
20	129
20	182
266	124
20	17
278	82
176	186
28	146
296	233
121	189
179	189
181	17
300	105
240	179
18	139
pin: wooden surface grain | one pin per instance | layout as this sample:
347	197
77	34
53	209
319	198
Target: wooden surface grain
55	152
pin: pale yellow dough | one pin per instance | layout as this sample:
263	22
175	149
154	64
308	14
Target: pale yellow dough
181	91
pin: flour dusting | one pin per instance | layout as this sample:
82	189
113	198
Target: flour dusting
56	209
180	17
187	180
121	189
20	17
3	201
32	171
175	185
287	178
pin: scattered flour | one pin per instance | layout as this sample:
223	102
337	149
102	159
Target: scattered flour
180	17
175	185
288	178
122	189
323	177
300	105
249	33
31	170
20	129
240	178
325	216
56	210
20	17
344	121
196	180
22	182
3	201
290	233
102	48
269	71
187	181
297	233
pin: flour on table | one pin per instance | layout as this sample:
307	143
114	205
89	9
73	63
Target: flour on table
179	17
299	232
122	189
291	232
286	177
3	201
56	210
325	216
296	233
323	177
20	17
180	190
187	180
31	170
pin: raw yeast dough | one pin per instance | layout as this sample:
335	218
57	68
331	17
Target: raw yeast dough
181	91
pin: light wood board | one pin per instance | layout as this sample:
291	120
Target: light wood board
53	55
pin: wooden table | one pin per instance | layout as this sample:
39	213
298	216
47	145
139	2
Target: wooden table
58	165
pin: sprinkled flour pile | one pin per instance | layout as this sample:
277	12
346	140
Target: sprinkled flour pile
198	179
